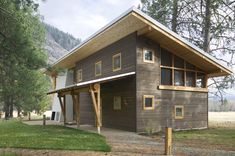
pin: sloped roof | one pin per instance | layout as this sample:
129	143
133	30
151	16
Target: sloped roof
134	20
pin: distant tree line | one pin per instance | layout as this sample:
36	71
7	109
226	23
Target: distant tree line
66	40
22	37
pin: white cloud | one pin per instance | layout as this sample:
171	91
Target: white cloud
82	18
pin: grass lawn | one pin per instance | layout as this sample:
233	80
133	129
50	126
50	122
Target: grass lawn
212	138
14	134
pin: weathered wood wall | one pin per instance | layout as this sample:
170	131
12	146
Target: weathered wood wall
125	118
125	46
148	80
125	88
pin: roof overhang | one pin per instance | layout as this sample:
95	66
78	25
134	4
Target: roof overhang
83	85
134	20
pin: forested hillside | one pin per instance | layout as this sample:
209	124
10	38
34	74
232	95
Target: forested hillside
58	43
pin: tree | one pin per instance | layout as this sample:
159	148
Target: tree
209	24
21	55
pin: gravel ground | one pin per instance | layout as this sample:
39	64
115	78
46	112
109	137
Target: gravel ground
123	144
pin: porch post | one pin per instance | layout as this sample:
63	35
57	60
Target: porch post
76	102
62	105
64	98
95	94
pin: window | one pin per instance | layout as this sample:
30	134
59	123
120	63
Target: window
148	102
200	80
98	68
166	76
190	66
179	78
166	58
190	79
178	62
179	112
79	75
117	62
148	55
117	103
175	71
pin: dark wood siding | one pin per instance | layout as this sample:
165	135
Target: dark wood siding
148	80
125	118
125	46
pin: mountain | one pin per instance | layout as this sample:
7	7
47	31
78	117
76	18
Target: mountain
58	43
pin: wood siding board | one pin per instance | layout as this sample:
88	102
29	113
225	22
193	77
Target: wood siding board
195	103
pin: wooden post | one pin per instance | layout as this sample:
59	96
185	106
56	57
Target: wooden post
95	94
64	101
44	120
62	105
76	102
168	141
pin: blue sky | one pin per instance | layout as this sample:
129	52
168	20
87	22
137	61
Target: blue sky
82	18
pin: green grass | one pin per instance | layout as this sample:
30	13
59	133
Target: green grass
14	134
214	138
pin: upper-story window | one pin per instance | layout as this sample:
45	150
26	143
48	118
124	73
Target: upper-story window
98	68
79	75
117	62
148	55
175	71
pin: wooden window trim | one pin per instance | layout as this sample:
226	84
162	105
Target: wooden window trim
179	117
148	96
153	55
99	62
79	80
183	88
117	55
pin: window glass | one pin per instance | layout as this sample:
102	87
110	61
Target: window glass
179	112
190	66
178	78
79	75
166	76
190	79
200	80
178	62
148	102
98	68
116	62
166	58
148	56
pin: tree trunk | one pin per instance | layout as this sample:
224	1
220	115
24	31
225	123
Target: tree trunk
29	115
207	26
11	108
174	16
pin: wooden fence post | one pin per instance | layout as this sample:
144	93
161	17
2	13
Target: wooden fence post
168	141
44	120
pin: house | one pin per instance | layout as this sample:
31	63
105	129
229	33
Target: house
136	75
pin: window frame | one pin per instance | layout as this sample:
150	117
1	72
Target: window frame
182	107
153	55
78	79
114	56
185	70
148	96
99	74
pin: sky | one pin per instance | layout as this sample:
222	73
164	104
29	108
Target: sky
82	18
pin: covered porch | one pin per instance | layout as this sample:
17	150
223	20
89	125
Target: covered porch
91	88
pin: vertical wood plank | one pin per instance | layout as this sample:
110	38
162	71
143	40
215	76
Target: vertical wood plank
64	102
